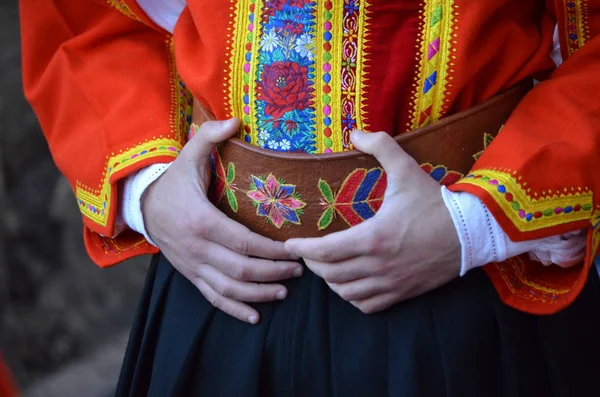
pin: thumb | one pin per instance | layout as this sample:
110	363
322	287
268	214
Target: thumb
203	139
381	146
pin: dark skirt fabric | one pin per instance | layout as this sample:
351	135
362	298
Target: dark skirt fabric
458	340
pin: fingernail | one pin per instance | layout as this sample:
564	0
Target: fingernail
281	295
227	124
297	272
252	319
356	134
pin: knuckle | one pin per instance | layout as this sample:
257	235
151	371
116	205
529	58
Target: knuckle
346	296
374	244
243	247
214	300
194	248
222	289
240	272
324	254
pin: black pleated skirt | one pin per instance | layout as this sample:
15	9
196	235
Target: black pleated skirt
458	340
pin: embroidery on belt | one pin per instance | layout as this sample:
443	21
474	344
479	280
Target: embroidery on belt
277	201
222	183
361	193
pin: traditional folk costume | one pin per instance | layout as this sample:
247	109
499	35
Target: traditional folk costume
114	89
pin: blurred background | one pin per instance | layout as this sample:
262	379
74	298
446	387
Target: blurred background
63	321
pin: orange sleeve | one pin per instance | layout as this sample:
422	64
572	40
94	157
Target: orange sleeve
539	177
102	81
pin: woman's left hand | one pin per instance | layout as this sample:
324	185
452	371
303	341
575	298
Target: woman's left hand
408	248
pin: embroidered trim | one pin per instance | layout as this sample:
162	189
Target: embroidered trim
433	81
95	204
527	213
576	22
487	139
223	180
277	201
115	247
361	194
123	8
329	138
595	221
296	72
359	197
353	72
441	174
512	272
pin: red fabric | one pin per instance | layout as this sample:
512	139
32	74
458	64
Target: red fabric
8	388
101	81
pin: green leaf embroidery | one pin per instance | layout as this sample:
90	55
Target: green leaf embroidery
230	173
233	203
326	218
326	191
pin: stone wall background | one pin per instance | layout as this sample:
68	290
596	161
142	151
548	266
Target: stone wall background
56	306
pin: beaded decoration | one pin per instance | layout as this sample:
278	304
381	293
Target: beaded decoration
526	213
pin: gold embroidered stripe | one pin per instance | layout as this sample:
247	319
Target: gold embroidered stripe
525	212
434	60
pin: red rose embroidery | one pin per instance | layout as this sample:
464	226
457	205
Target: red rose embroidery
273	5
284	87
300	3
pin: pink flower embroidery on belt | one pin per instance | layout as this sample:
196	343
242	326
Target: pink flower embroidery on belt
275	200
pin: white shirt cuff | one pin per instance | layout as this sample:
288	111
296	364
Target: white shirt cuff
133	189
483	241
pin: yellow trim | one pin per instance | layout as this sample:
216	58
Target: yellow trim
582	22
123	8
236	75
518	265
95	204
437	23
364	28
595	221
256	36
337	41
528	204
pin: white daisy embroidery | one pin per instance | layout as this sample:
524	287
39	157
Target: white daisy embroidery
270	41
273	144
263	135
285	144
305	46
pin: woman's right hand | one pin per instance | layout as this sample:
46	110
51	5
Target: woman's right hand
218	255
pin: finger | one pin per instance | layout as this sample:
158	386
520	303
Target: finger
383	147
375	303
360	289
244	268
209	134
240	290
235	309
344	271
240	239
334	247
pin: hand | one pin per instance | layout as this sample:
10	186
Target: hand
408	248
212	251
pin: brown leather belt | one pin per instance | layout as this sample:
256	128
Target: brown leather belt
285	195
